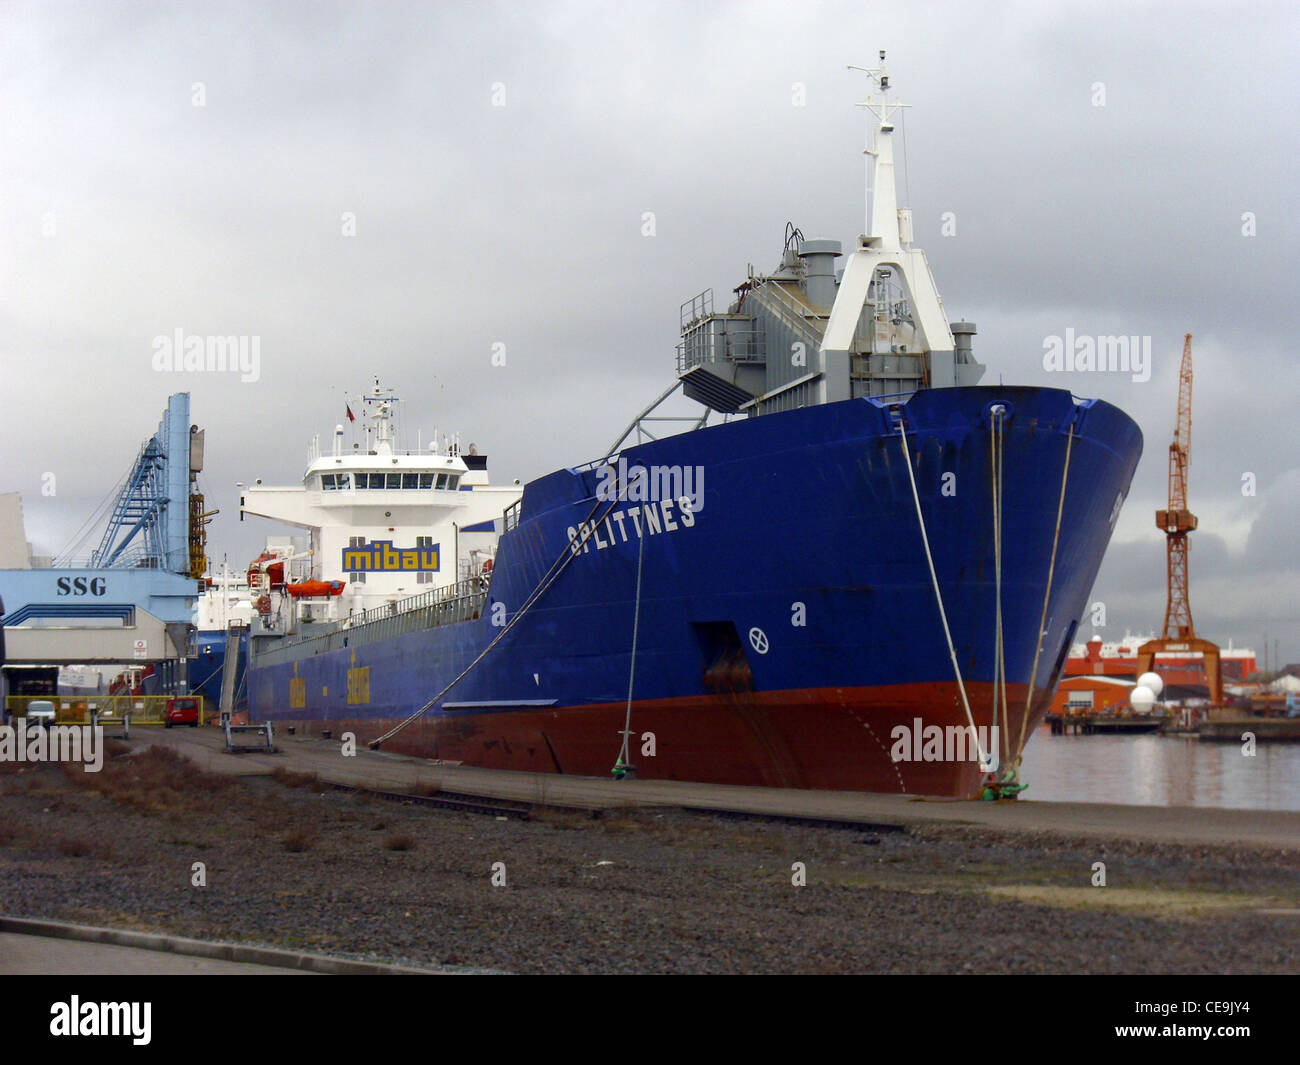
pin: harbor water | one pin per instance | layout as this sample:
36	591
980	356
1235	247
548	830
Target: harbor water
1158	770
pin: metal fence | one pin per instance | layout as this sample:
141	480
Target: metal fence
76	709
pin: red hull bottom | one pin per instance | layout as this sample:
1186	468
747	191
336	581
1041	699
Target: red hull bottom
839	739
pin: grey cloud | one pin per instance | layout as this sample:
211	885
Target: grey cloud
521	224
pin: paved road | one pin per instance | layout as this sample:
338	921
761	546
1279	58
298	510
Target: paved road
393	772
48	956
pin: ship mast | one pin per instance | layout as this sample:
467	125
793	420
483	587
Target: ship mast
381	436
881	189
888	246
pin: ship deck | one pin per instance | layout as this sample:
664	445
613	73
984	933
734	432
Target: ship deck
383	771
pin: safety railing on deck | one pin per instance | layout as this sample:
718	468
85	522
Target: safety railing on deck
795	315
734	344
510	519
462	601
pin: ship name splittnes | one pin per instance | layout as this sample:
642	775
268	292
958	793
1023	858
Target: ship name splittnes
632	524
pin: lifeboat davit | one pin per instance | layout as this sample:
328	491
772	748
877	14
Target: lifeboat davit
314	589
274	572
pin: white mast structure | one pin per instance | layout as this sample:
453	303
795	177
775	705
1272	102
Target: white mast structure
888	243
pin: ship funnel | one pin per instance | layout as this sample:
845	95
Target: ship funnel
819	270
961	334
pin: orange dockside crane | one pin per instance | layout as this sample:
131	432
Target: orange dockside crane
1176	522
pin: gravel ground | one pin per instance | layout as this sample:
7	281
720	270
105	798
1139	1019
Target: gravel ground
294	865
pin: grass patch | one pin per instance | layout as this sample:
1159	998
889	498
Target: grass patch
297	841
631	819
156	780
1155	902
557	817
79	847
291	778
117	748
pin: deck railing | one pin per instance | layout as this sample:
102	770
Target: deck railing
510	519
462	601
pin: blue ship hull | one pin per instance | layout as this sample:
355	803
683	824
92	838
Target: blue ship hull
786	628
205	671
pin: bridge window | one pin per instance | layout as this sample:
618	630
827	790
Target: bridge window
327	482
356	578
389	481
424	576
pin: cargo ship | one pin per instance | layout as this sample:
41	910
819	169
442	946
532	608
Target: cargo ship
854	545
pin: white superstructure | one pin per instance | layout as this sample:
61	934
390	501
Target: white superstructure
382	522
225	598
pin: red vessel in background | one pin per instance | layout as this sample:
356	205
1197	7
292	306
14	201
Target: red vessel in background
1119	659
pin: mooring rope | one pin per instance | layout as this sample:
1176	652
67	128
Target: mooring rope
588	528
1047	595
943	617
1000	658
624	757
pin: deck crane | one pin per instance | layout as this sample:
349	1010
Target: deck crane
1176	522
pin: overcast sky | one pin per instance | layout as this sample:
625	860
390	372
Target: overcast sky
185	166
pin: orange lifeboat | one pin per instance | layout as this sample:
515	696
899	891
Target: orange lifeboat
314	589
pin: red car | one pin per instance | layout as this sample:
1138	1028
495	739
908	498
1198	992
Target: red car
182	710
